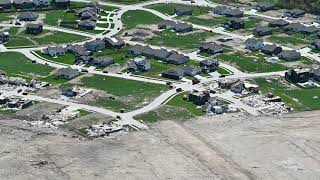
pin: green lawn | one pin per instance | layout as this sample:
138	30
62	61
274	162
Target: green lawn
178	101
16	64
206	22
165	112
131	19
169	9
19	37
223	71
68	58
52	17
287	40
251	23
129	94
248	64
6	16
170	38
120	56
305	97
125	1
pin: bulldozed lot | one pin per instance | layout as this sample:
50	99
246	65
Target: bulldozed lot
232	146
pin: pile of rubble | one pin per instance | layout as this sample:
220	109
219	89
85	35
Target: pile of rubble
76	92
14	103
105	129
238	87
267	105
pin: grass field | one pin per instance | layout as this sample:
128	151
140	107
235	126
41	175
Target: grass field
5	16
129	94
52	17
169	9
120	56
16	64
206	22
131	19
19	37
68	58
178	101
125	1
287	40
170	38
165	112
248	64
300	99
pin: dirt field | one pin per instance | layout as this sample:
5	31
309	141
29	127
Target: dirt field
222	147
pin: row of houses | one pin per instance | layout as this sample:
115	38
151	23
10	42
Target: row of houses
206	66
177	26
88	16
254	44
27	4
164	55
295	27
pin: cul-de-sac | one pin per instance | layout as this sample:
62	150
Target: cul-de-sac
159	89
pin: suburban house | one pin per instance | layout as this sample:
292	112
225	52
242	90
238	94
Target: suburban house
191	70
271	49
136	50
295	27
114	42
208	66
294	13
95	45
315	44
4	37
264	6
148	52
175	74
22	4
28	16
297	76
161	54
183	11
67	73
254	44
139	64
41	2
87	25
176	58
211	48
34	28
83	59
219	10
233	13
88	16
178	27
92	10
310	30
78	50
5	4
289	55
278	23
234	23
62	3
262	31
54	51
102	61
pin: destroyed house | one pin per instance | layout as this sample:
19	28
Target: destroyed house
278	23
271	49
34	29
182	11
208	66
198	98
191	70
262	31
234	23
211	48
294	13
95	45
289	55
297	76
28	16
264	6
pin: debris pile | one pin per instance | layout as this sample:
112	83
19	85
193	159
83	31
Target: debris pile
105	129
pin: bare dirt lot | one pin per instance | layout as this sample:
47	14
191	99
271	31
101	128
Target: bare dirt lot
219	147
